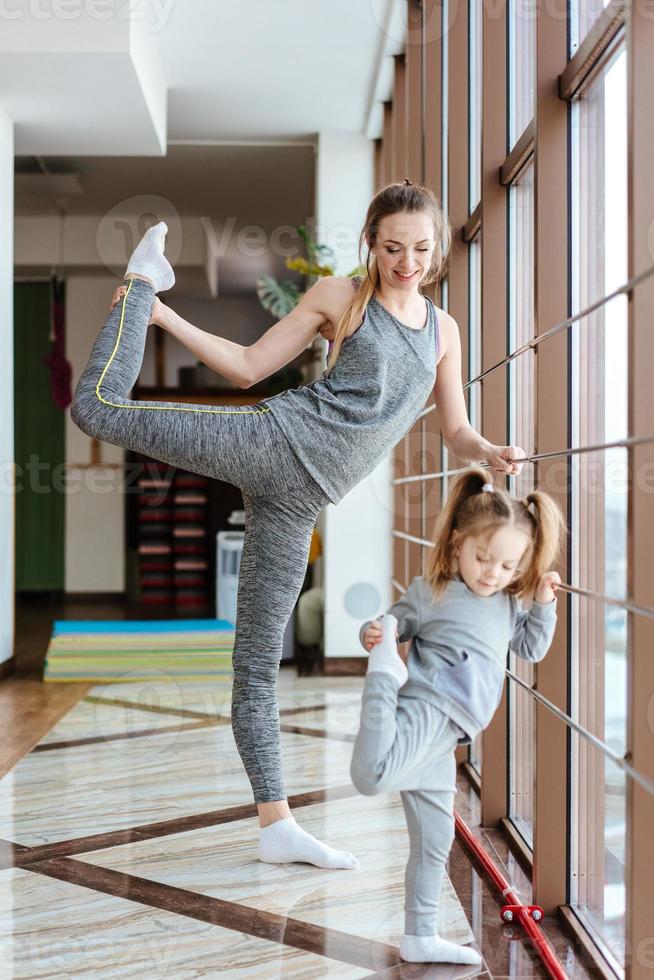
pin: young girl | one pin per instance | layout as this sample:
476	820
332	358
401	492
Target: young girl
490	549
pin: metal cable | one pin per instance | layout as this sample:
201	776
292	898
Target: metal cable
573	451
535	341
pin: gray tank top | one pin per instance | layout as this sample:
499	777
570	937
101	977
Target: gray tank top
342	425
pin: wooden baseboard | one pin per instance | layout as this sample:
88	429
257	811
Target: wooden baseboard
519	848
8	667
591	955
472	774
345	666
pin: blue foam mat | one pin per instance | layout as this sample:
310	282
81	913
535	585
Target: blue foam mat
138	625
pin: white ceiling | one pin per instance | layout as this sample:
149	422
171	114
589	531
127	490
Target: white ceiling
268	68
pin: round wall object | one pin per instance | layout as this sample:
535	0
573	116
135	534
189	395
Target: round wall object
362	600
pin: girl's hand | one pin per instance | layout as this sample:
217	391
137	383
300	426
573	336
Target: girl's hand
547	587
498	456
374	634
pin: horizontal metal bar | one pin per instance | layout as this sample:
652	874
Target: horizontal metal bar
417	477
619	760
535	341
410	537
609	600
625	604
553	454
597	448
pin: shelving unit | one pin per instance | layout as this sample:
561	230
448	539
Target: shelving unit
155	553
190	533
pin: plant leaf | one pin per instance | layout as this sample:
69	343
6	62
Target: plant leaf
279	298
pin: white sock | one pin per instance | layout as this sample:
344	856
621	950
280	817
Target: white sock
148	259
384	656
284	841
433	949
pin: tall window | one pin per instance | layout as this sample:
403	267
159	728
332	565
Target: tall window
583	14
521	401
475	50
474	102
473	393
522	62
599	495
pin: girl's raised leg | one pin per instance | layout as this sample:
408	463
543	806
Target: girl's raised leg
395	739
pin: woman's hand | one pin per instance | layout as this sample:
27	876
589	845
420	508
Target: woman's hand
156	313
498	457
547	587
117	296
374	634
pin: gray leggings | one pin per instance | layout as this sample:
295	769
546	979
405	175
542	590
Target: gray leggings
240	445
407	744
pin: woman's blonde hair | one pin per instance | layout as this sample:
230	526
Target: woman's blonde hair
473	511
393	199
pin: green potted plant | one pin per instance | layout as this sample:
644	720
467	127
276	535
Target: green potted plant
279	298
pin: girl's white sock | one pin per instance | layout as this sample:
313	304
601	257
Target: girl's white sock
384	656
148	259
284	841
433	949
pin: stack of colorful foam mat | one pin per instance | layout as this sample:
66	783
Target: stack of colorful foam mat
137	650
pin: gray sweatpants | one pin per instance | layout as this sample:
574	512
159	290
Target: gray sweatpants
242	445
407	745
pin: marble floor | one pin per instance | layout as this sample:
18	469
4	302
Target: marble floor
128	848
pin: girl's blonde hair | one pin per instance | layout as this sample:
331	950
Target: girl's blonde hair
393	199
473	511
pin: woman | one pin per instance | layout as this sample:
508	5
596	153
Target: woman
293	453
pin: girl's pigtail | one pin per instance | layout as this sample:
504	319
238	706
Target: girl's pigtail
438	565
549	538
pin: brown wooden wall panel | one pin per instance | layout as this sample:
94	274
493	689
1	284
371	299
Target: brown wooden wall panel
378	164
400	120
414	49
414	500
387	170
431	464
433	59
494	319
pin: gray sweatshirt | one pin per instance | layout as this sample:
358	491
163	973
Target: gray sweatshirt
459	644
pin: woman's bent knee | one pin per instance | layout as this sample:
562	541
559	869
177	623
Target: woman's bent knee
81	413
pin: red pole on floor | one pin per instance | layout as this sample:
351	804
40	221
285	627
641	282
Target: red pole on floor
514	910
